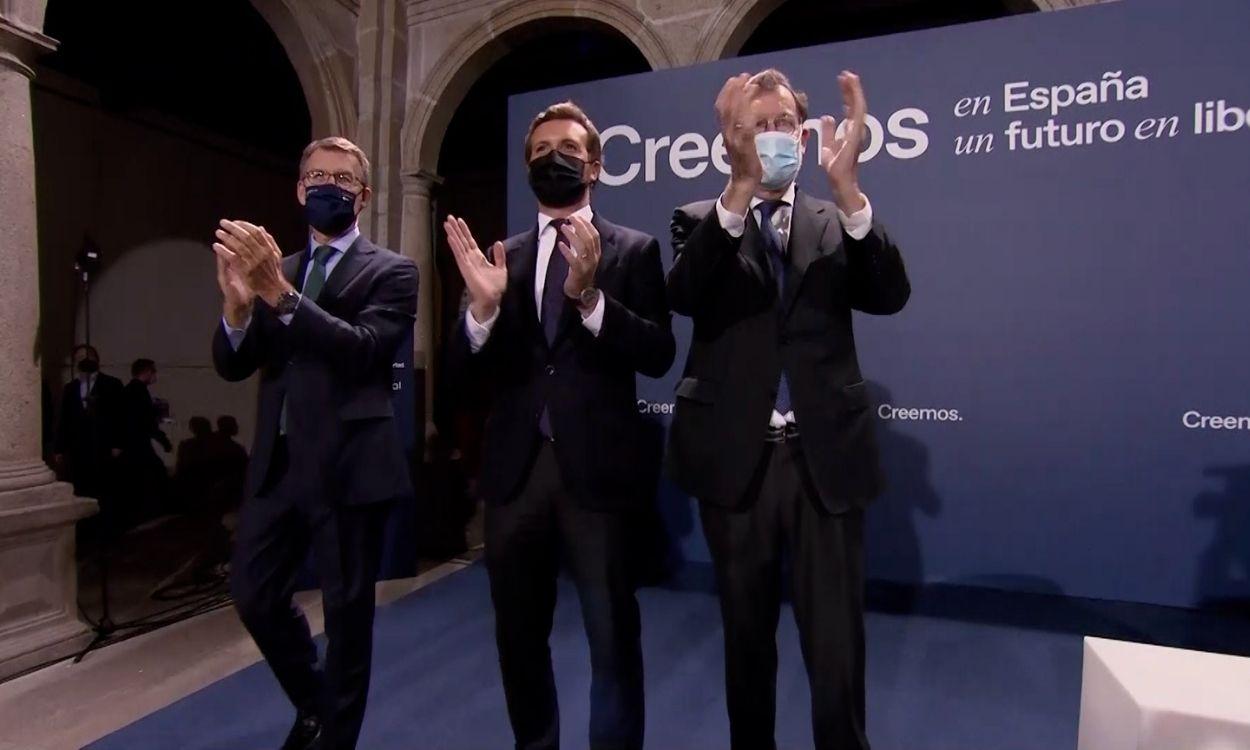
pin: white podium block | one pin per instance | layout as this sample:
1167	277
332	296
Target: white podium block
1140	697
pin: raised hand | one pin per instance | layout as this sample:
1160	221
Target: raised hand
237	295
733	112
485	281
254	256
579	244
839	156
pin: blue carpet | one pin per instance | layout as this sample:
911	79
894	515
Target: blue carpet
933	683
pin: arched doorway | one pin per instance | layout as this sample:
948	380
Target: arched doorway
476	152
153	121
146	138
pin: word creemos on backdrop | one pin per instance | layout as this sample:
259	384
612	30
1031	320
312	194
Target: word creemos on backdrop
688	155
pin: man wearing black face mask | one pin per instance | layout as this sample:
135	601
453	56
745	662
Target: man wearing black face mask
322	328
561	321
88	439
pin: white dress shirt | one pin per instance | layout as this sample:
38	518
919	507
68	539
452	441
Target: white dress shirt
340	245
593	321
85	386
857	225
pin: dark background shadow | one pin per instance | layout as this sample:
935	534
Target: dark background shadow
891	539
1223	582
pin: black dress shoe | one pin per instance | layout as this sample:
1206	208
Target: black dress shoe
304	734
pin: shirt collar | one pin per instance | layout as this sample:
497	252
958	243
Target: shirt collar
787	199
340	243
544	220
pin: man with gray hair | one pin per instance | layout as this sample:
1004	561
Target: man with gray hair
772	431
322	328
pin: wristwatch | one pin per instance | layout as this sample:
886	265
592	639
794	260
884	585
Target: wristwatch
287	302
588	298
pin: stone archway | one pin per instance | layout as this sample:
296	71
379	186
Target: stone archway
474	44
465	59
323	59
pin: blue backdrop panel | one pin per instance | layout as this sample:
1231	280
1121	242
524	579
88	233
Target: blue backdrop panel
1079	312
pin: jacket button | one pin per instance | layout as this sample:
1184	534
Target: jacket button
551	369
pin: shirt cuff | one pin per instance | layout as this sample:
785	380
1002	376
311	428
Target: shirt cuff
858	224
236	335
733	224
594	321
477	332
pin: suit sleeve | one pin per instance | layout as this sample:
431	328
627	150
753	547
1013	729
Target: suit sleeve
379	329
702	252
239	364
467	370
639	331
878	279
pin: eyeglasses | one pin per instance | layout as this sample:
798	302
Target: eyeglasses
345	180
782	124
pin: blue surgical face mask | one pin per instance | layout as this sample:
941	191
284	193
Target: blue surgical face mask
781	158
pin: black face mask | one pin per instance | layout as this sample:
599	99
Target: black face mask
556	179
89	366
329	209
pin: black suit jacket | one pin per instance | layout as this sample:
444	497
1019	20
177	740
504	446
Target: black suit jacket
743	337
332	365
140	420
93	430
588	382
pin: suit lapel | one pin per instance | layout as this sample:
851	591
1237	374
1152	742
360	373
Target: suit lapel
807	226
293	267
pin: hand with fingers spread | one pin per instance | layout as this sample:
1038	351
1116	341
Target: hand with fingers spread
733	113
254	255
579	244
839	156
486	281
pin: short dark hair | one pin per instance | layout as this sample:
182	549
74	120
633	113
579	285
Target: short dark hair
141	366
200	426
772	79
228	425
567	110
87	349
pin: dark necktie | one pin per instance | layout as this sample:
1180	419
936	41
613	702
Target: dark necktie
554	298
776	250
314	282
553	306
317	274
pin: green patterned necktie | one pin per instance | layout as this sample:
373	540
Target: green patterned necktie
317	274
313	285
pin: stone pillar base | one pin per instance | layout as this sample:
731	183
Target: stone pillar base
39	576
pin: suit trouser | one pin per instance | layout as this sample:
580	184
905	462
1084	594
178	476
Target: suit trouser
525	540
826	567
276	530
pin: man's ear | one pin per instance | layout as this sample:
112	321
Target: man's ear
300	195
365	196
591	175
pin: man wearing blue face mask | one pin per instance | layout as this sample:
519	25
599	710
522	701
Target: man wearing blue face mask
322	328
772	430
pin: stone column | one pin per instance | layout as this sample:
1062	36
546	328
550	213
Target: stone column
38	573
417	243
